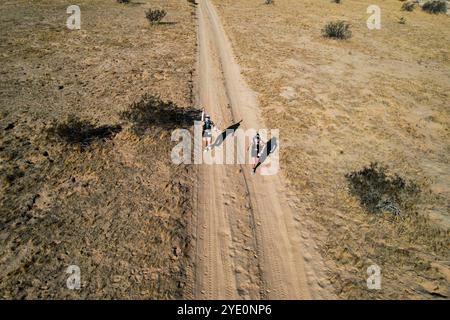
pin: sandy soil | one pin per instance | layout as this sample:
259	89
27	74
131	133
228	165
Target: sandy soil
381	96
136	225
119	209
248	239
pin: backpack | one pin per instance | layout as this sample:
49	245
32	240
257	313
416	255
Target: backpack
207	125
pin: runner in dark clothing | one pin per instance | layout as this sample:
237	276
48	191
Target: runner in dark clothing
208	126
256	148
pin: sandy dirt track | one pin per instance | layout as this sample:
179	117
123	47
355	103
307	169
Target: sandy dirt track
248	242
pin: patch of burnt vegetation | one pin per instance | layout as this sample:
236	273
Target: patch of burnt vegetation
435	6
337	30
378	192
80	132
152	112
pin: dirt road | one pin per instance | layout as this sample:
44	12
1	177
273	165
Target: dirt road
248	242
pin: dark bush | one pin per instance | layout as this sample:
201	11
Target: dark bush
435	6
269	2
123	1
83	133
192	2
379	192
155	15
408	6
152	112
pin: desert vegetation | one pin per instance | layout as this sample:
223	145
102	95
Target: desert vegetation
379	192
82	133
78	185
408	6
150	112
154	16
341	105
337	30
435	6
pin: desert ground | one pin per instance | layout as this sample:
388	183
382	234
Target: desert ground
380	96
116	207
85	144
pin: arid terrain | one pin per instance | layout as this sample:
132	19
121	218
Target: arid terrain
380	96
85	145
117	208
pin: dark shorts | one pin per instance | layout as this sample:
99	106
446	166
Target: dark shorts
255	153
207	133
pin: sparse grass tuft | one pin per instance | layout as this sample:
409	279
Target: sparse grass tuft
83	133
269	2
150	112
155	15
337	30
435	6
379	192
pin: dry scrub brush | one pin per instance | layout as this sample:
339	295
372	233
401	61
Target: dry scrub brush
155	15
337	30
435	6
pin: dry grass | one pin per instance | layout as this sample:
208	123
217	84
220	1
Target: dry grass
119	210
381	96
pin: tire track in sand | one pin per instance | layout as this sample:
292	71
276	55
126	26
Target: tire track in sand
278	271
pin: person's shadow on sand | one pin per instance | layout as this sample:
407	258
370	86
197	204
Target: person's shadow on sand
230	130
269	148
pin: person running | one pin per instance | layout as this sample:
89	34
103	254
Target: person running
257	146
208	126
